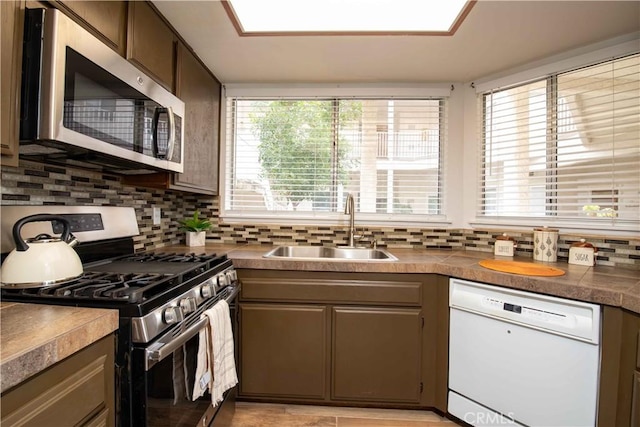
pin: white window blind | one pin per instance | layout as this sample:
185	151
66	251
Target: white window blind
299	157
565	149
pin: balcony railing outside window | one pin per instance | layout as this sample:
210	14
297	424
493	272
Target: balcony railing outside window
401	145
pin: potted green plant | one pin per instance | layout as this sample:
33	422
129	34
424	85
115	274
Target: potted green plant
196	229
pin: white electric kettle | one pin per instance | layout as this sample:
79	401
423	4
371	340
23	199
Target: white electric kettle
43	260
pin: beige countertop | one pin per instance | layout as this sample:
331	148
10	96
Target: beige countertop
36	336
617	287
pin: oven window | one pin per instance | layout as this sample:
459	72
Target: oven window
169	390
161	393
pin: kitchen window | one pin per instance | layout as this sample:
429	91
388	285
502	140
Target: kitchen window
564	149
298	157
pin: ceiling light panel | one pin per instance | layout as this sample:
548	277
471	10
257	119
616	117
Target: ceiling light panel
345	16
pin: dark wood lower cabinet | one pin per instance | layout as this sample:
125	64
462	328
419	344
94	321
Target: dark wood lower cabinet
635	403
343	338
78	390
376	354
283	350
619	396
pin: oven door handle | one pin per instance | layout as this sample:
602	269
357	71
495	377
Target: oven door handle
160	350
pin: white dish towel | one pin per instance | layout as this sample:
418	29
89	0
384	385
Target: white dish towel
216	368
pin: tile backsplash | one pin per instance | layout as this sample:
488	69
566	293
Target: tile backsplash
41	184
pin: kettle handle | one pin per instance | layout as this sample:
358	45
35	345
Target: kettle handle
21	244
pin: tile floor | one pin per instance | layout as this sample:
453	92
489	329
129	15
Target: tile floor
275	415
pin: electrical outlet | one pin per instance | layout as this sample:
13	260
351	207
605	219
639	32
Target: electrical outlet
157	214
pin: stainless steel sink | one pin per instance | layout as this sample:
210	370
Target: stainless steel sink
329	253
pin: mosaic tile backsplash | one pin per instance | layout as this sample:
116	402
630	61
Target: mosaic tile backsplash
42	184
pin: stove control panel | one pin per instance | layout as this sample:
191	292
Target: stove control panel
80	222
145	328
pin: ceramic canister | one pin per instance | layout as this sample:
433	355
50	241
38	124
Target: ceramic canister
504	245
545	244
583	253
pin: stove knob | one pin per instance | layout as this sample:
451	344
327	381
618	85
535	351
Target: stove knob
230	276
188	305
222	280
208	289
172	315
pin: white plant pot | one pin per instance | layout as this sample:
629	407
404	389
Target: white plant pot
196	238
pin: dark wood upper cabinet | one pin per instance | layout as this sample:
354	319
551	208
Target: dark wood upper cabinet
12	13
107	20
151	43
200	91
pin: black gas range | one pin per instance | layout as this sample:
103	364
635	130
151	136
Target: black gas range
160	297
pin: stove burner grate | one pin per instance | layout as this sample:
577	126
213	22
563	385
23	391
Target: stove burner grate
168	257
106	286
129	279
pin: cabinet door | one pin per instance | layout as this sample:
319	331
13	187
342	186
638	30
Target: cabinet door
105	19
150	43
12	13
283	350
376	354
78	390
200	92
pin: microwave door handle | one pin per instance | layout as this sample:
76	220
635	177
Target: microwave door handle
154	136
171	142
172	133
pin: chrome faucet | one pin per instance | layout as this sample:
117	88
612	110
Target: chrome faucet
349	209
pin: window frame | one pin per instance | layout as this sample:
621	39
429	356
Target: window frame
553	122
339	92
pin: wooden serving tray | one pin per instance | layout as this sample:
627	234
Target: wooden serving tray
519	267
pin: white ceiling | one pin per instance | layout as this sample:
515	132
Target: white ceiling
495	36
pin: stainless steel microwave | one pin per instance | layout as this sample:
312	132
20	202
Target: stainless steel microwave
83	105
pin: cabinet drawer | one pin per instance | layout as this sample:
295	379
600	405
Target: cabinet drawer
332	291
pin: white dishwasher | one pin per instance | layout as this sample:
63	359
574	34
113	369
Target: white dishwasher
518	358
